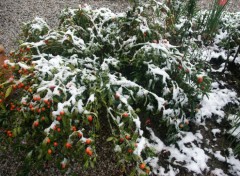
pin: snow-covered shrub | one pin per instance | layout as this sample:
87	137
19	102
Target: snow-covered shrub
101	66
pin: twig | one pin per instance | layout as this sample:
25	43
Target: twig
238	51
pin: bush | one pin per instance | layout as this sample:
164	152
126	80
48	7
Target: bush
100	65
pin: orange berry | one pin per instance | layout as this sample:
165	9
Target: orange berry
45	101
49	151
142	166
74	128
36	98
130	150
181	125
147	171
88	141
89	151
1	100
62	113
48	141
127	137
38	110
10	135
14	86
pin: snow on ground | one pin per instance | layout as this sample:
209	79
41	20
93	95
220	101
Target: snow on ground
188	151
214	103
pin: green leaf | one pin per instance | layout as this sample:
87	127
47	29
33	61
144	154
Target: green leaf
110	139
3	107
29	155
8	92
133	173
86	164
91	164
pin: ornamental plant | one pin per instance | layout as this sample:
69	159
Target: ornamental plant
100	66
213	18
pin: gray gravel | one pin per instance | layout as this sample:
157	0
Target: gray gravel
14	12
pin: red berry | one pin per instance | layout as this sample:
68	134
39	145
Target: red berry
121	140
62	113
90	118
59	118
36	124
79	134
117	96
180	67
1	100
63	166
125	114
55	144
28	49
68	145
200	79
